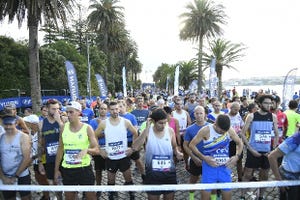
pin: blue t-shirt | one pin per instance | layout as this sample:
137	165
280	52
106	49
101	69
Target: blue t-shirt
291	148
133	121
94	124
191	132
141	116
87	115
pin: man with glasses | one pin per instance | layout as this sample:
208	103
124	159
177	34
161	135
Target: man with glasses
261	124
11	109
216	162
48	140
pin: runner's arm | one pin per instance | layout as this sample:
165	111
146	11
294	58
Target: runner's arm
273	157
26	149
94	147
140	140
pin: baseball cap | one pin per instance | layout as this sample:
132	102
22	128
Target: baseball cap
34	119
74	104
10	106
9	120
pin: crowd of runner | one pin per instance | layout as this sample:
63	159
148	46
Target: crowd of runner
73	142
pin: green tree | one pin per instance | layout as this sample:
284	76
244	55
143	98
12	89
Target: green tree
161	75
53	72
69	52
13	65
33	11
203	19
226	53
188	73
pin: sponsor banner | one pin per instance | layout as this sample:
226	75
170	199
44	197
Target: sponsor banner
25	102
72	80
101	85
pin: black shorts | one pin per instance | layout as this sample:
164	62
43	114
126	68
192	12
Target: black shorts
194	169
181	142
232	149
99	162
159	178
253	162
25	180
78	176
114	165
49	168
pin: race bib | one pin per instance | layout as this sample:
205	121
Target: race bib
236	128
221	159
52	148
115	148
84	119
262	136
161	163
71	156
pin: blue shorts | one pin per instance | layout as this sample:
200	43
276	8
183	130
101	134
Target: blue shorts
211	174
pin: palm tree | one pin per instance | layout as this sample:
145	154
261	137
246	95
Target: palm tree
188	73
33	11
203	19
103	19
226	53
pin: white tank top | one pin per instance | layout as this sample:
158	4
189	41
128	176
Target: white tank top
115	139
182	120
159	152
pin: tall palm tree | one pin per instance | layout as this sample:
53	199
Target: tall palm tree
203	19
33	11
117	45
225	53
103	18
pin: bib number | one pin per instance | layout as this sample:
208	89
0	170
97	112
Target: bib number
71	157
161	163
116	148
52	148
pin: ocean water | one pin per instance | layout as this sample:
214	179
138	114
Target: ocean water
278	89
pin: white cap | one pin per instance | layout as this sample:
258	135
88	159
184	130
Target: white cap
34	119
74	104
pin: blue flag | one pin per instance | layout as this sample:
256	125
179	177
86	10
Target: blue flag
72	80
101	85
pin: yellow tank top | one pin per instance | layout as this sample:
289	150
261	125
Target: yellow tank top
73	143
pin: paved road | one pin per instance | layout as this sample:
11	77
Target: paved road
183	177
